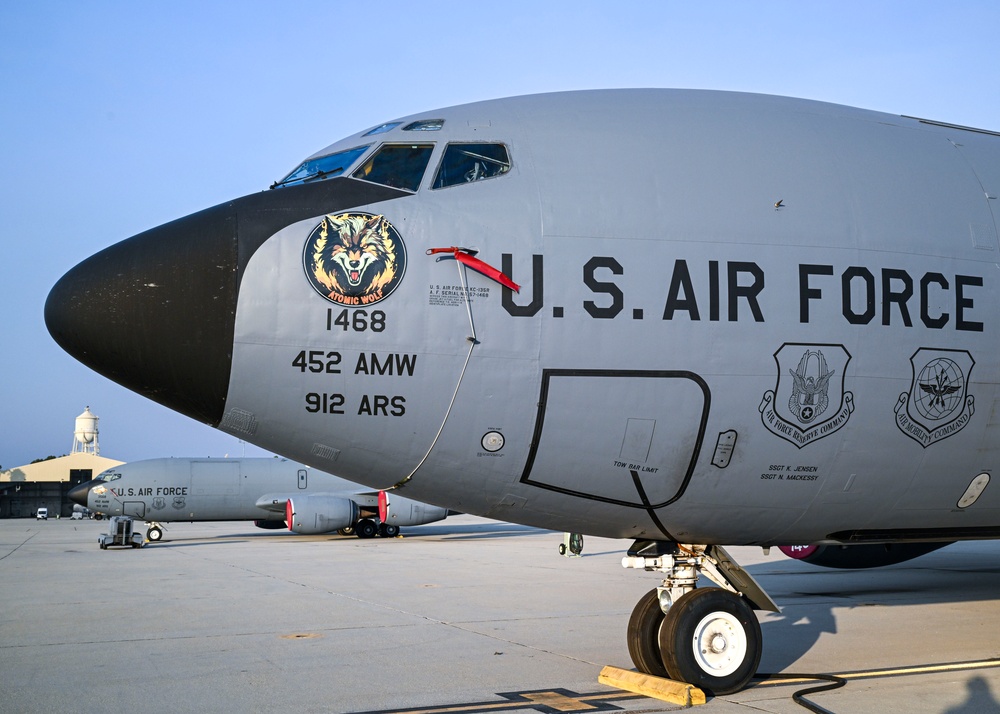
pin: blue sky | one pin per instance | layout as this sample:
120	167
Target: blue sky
119	116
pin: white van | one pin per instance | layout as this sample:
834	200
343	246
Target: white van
42	514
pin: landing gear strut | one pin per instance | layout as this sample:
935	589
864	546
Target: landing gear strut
708	637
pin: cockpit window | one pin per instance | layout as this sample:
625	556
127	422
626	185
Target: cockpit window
383	128
108	476
463	163
396	165
322	168
425	125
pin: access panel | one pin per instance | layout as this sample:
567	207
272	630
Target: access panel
625	437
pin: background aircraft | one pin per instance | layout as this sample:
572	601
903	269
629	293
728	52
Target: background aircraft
273	493
685	318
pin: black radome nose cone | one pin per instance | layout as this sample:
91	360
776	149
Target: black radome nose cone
156	312
79	493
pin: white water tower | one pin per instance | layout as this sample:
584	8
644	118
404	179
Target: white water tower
85	434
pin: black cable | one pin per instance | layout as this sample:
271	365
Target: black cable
799	697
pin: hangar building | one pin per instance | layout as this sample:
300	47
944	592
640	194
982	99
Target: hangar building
24	489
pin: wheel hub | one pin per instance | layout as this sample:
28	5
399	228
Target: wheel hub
720	644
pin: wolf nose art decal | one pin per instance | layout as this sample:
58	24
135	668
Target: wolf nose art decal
354	258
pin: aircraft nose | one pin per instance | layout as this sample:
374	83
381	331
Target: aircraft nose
156	312
80	492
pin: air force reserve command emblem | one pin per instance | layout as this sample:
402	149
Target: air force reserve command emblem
809	401
354	258
938	404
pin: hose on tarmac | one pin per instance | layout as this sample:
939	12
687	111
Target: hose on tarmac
799	697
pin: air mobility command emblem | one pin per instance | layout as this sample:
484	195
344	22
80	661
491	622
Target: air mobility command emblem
808	402
938	404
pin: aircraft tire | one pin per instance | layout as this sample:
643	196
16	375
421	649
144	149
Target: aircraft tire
387	530
366	528
644	634
154	534
711	638
346	531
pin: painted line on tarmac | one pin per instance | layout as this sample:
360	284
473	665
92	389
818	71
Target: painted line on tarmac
770	680
544	701
11	552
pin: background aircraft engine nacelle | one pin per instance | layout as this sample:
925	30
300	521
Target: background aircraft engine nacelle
270	525
320	513
859	556
404	512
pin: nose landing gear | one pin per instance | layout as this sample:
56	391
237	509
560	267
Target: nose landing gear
708	637
711	638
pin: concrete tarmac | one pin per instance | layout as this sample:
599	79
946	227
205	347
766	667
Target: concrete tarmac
468	615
